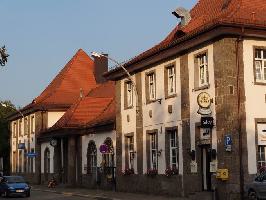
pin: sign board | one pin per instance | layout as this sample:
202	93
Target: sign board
204	101
193	166
261	134
206	122
31	155
104	148
205	133
21	146
228	142
213	166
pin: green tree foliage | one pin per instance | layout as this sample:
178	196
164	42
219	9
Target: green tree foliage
6	108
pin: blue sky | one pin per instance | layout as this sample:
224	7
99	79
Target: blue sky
41	36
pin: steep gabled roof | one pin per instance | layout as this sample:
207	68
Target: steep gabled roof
64	89
95	109
207	14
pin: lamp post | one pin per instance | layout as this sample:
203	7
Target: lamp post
96	54
4	55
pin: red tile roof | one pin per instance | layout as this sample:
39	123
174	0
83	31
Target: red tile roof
97	108
64	90
210	12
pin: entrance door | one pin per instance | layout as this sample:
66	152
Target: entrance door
206	174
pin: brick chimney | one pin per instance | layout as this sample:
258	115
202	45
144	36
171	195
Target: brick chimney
100	66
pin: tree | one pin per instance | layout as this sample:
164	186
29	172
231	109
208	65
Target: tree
5	111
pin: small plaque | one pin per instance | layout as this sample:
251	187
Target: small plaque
193	166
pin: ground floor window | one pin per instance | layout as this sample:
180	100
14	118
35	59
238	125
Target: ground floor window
173	150
91	157
47	161
154	151
108	158
261	156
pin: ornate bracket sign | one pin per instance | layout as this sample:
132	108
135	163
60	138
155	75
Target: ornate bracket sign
53	142
204	102
3	55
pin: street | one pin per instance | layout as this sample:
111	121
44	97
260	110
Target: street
39	195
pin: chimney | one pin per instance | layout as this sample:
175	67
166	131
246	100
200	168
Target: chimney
100	66
183	14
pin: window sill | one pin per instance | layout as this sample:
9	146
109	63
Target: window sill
129	107
259	83
204	87
171	96
153	101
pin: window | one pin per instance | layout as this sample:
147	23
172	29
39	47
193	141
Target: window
32	125
173	150
260	65
20	128
203	69
171	80
154	150
14	129
261	156
26	125
131	152
31	163
47	161
91	158
108	158
129	94
151	86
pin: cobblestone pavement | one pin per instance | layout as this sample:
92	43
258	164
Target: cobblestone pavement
81	193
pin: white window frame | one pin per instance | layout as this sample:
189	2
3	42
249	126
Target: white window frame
203	69
93	161
260	65
154	151
151	82
171	80
131	152
129	86
261	156
14	129
173	148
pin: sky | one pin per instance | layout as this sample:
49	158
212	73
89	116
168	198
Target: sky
42	36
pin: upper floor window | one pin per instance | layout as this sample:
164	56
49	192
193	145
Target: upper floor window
151	86
14	129
201	74
20	128
260	65
32	124
26	125
128	94
170	80
203	69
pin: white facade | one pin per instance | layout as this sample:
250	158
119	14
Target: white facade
255	101
99	139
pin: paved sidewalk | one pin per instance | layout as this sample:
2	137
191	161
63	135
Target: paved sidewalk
101	194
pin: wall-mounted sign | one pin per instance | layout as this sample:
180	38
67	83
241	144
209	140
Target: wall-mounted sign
261	134
21	146
228	142
213	166
206	122
31	155
204	102
104	148
193	166
205	133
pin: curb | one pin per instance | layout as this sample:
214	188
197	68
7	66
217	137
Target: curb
97	197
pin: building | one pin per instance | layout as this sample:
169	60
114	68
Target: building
71	149
80	74
199	104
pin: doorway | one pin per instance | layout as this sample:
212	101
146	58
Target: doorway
206	174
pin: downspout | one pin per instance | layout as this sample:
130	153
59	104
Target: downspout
239	121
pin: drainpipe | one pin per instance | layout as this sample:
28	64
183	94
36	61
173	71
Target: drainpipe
241	173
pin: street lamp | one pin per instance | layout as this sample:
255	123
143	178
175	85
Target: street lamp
3	55
6	106
96	54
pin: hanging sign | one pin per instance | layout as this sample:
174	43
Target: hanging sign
104	148
206	122
53	142
205	133
204	102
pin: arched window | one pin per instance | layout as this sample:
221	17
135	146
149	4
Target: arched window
108	158
91	157
47	161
